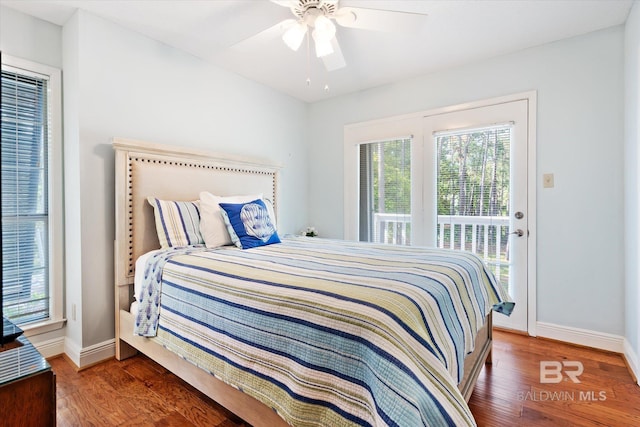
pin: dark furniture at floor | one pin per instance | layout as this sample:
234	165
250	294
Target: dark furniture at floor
27	386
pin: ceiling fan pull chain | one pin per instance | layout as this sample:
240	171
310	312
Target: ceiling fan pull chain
326	80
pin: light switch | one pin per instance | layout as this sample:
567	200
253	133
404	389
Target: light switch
547	180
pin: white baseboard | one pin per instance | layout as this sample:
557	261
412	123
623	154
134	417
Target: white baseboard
85	357
585	337
50	348
632	360
599	340
97	353
72	351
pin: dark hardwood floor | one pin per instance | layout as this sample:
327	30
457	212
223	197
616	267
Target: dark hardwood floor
509	392
139	392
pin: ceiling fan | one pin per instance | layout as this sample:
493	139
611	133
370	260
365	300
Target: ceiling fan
317	19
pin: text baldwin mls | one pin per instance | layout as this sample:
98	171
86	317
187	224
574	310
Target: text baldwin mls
552	396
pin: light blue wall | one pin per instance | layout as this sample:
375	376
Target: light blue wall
579	82
632	178
124	84
30	38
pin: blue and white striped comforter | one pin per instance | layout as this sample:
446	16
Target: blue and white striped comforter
330	333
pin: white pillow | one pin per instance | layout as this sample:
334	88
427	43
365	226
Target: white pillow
212	227
271	210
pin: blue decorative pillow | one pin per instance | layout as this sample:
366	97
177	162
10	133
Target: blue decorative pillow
249	224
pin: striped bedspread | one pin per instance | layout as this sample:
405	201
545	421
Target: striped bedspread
332	333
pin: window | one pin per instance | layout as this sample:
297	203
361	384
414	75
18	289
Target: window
385	191
473	193
31	205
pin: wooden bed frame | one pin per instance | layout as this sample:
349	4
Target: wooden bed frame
144	169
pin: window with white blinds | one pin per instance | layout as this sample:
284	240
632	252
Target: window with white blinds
25	199
385	191
474	171
473	192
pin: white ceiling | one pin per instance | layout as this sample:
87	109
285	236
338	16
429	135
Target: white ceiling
452	33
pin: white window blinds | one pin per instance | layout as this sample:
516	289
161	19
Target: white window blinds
474	171
385	191
24	170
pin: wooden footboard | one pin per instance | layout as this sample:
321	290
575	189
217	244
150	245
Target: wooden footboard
474	362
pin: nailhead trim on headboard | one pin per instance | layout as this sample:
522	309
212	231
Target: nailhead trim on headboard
188	164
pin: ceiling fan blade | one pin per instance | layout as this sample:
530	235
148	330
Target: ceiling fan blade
286	3
335	60
380	20
266	36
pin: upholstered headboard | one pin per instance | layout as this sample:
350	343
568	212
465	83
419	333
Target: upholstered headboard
173	173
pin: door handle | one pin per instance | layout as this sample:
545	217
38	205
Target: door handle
518	232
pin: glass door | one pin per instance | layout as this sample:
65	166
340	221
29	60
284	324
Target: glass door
479	186
473	193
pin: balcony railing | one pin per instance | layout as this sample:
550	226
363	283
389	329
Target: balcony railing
480	229
487	236
392	228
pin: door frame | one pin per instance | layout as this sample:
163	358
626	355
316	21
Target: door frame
411	124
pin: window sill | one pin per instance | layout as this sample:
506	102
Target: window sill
37	328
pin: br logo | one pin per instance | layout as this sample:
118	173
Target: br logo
552	372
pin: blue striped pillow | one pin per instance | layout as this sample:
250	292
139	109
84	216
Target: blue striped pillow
177	223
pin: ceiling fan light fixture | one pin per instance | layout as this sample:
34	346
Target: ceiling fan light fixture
324	28
293	36
323	46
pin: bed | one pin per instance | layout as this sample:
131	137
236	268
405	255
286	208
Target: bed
270	387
